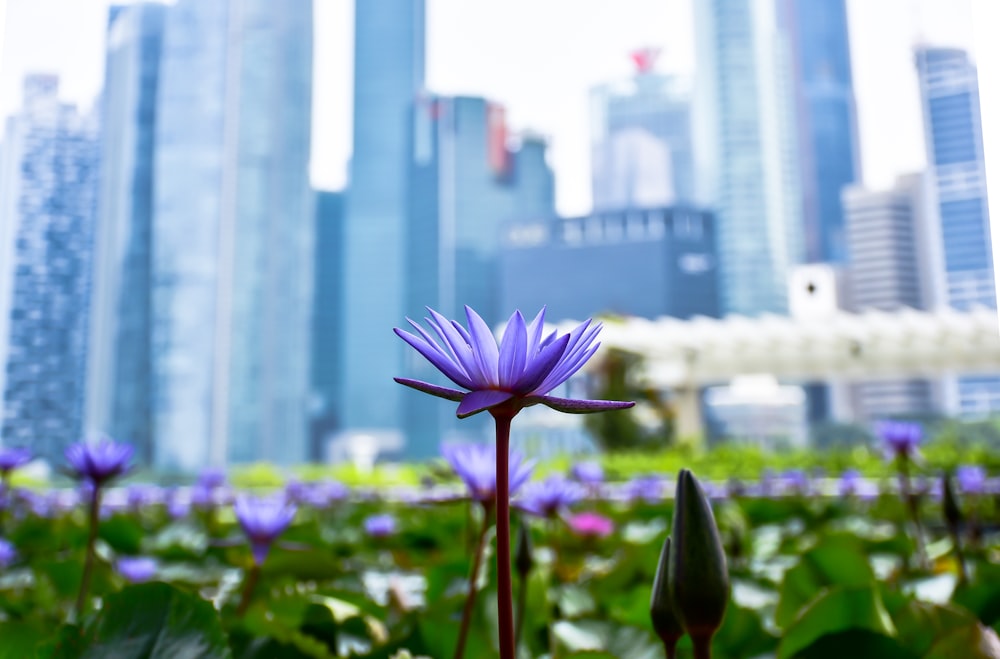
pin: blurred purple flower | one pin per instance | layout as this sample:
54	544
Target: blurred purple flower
795	481
590	525
971	479
520	371
177	507
318	494
589	473
549	497
263	520
12	458
380	526
143	494
98	462
212	477
648	488
850	482
900	437
476	465
7	553
136	569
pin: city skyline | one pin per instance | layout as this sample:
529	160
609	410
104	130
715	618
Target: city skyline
543	86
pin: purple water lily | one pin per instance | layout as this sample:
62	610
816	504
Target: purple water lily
12	458
476	465
549	497
900	437
850	482
263	520
588	473
7	553
520	371
380	526
100	461
971	479
212	477
136	569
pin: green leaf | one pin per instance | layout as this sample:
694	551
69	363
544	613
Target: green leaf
838	560
156	621
742	635
856	644
18	639
838	609
921	624
970	642
124	534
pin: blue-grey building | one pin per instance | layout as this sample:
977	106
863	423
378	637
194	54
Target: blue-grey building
949	92
232	234
641	140
388	79
826	120
746	149
639	262
119	373
325	363
48	181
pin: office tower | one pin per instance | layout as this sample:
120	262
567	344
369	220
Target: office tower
887	239
388	77
664	260
119	377
641	140
327	306
826	120
949	92
232	234
48	178
746	151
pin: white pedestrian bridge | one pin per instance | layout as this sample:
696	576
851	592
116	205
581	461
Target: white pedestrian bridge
685	355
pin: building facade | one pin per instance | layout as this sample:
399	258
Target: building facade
232	234
327	323
119	372
746	148
48	178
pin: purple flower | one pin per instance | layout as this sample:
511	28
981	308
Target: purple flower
142	494
11	458
519	372
136	569
7	553
100	461
476	465
588	473
380	526
900	437
849	482
549	497
177	507
263	520
212	477
971	479
796	481
648	488
591	525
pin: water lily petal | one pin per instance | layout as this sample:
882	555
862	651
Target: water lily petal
484	345
577	406
436	356
539	366
433	389
477	401
513	351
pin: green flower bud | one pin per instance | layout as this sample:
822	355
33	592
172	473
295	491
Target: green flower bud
661	607
699	575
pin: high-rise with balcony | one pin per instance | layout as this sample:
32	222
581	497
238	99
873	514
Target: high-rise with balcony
232	234
119	376
746	148
949	91
48	178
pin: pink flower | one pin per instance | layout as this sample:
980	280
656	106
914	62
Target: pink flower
591	525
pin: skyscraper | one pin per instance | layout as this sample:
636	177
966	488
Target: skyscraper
825	117
388	77
232	233
641	140
48	177
747	157
328	292
119	377
949	92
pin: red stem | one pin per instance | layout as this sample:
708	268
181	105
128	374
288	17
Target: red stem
505	599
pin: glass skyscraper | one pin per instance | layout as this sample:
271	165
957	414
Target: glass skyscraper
747	153
327	323
48	178
949	91
232	234
119	377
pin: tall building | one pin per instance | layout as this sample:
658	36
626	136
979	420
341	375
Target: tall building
464	182
888	242
747	154
388	78
48	178
327	323
949	91
119	375
641	140
826	120
232	234
665	260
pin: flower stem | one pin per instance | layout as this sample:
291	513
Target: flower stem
505	604
248	587
702	646
912	506
470	598
88	563
670	647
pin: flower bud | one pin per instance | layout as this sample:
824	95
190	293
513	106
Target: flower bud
523	560
952	511
661	607
698	575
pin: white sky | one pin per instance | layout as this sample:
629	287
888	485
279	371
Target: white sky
538	57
